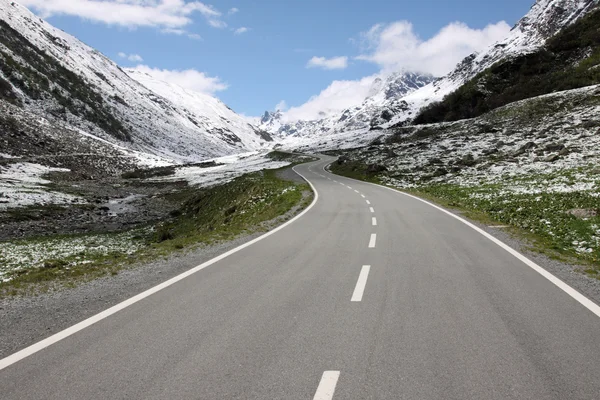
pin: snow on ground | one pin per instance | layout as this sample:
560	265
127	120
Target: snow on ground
22	185
339	141
3	155
232	167
77	250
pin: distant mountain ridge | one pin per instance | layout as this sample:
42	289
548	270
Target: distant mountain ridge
383	100
56	76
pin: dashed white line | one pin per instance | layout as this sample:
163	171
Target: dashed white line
374	221
349	187
356	191
368	202
327	385
371	209
359	290
363	196
584	301
373	240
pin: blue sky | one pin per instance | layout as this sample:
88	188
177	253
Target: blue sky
269	62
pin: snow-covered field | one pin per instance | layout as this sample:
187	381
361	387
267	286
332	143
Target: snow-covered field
15	256
21	184
232	167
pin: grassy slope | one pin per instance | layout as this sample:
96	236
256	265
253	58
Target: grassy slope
569	60
244	205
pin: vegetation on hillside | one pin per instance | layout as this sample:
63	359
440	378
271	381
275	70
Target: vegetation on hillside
569	60
251	203
40	76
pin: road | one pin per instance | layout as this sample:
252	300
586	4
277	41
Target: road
368	295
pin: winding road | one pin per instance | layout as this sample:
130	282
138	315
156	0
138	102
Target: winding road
369	294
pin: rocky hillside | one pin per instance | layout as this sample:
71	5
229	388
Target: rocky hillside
55	76
569	60
545	19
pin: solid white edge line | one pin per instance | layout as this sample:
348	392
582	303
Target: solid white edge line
584	301
34	348
359	290
327	385
374	221
371	209
373	240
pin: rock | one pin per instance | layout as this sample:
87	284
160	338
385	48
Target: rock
376	168
554	147
552	158
583	212
526	147
468	160
440	172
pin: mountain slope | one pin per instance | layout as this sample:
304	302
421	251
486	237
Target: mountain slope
569	60
544	20
56	76
382	101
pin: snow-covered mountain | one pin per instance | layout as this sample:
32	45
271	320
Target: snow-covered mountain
56	76
398	98
544	20
382	102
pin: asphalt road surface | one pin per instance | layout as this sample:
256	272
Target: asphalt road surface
368	295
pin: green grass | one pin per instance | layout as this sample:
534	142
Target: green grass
355	170
250	203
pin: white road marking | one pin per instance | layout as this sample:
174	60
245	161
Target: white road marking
57	337
356	191
363	196
360	285
349	187
584	301
371	209
327	385
368	202
374	221
373	240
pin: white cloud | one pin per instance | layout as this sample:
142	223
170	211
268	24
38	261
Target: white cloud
281	106
396	46
217	23
328	63
131	57
241	30
233	10
129	13
135	58
181	32
189	79
335	98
